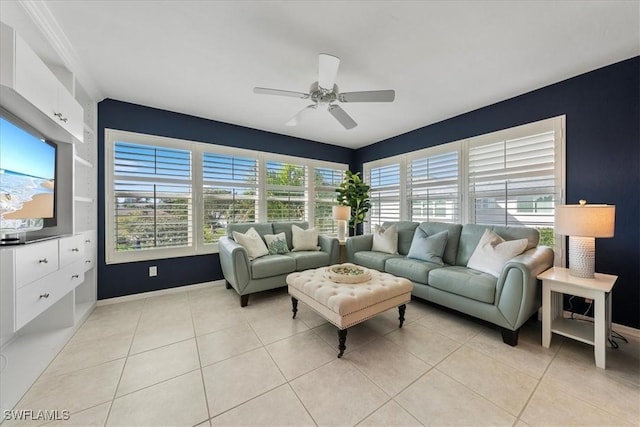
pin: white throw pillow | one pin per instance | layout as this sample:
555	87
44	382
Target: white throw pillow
276	243
304	240
252	242
493	252
385	240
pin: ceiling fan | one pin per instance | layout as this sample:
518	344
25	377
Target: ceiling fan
325	93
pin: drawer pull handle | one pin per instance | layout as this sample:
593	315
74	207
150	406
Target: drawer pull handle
88	261
75	250
87	241
43	261
59	116
45	295
75	276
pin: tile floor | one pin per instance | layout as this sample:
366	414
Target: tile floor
197	359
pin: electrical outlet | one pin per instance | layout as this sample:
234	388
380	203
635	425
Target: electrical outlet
153	271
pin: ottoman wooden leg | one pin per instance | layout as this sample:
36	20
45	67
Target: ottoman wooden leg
294	305
342	338
401	310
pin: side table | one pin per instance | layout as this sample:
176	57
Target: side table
557	281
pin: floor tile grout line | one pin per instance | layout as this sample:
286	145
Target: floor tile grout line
535	389
579	397
204	384
133	337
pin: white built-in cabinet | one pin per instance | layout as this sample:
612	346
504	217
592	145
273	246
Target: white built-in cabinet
49	287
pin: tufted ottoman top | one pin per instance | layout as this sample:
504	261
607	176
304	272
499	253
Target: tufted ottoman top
338	301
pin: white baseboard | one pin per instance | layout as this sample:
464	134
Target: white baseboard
621	329
144	295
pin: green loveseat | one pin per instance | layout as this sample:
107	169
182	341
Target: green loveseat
269	271
507	301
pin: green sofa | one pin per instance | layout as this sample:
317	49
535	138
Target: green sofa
507	301
269	271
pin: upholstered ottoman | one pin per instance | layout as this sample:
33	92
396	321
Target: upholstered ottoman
346	305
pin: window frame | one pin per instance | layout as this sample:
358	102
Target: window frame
197	150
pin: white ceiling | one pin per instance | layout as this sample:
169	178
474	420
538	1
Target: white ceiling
443	58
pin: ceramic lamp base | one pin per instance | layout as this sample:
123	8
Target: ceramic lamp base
342	230
582	257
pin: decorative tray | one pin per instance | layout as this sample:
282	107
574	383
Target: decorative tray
347	273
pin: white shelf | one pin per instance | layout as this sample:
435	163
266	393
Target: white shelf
79	160
89	129
83	199
574	329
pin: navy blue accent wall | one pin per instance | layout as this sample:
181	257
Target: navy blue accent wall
602	157
131	278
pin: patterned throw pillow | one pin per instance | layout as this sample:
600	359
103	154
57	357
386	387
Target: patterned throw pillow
276	243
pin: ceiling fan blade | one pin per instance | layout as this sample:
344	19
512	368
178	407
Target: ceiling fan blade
327	70
368	96
267	91
295	120
342	116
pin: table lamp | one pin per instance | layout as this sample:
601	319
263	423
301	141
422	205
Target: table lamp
342	214
583	223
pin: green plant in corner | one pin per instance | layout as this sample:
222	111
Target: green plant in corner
354	192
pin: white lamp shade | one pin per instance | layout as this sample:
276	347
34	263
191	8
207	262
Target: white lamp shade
342	213
585	220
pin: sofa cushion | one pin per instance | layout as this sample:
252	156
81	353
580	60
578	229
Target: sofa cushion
276	243
385	239
412	269
306	260
285	227
451	249
272	265
252	242
305	240
428	248
371	259
405	234
493	252
465	282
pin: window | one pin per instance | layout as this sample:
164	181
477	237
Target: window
325	182
286	191
384	193
507	178
167	197
510	177
229	192
433	187
152	200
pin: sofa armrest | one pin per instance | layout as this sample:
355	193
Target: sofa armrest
235	263
517	291
330	245
357	244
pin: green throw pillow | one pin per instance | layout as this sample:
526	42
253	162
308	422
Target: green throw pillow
276	243
428	248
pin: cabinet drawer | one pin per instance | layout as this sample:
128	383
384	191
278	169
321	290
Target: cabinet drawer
89	249
71	250
33	299
35	261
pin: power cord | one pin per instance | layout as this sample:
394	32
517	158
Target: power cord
613	335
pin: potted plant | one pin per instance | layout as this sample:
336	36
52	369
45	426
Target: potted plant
353	192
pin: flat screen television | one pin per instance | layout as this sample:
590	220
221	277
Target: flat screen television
27	180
